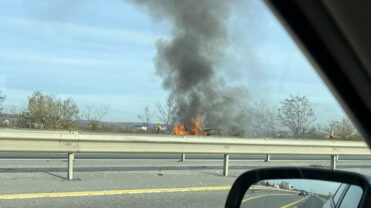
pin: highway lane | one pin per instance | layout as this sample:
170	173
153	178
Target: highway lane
136	176
312	201
19	177
15	155
159	200
273	201
215	199
282	201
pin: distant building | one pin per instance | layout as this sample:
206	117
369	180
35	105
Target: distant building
161	127
8	120
6	123
142	128
285	185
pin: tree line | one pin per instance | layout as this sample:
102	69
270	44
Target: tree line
294	117
50	112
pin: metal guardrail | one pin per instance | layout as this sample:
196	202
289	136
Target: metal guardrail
74	142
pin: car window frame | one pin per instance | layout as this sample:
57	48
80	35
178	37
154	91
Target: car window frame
341	195
322	41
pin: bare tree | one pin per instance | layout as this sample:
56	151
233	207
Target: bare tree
296	114
2	99
166	113
146	116
94	114
317	131
263	120
342	129
15	112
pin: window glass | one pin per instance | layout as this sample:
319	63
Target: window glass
155	71
142	67
352	197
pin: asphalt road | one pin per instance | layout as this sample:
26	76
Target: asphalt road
282	201
312	201
215	199
14	155
39	183
41	179
273	201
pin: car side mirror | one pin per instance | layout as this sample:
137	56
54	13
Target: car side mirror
299	187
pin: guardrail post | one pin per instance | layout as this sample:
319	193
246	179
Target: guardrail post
333	162
337	157
226	164
71	157
182	157
267	158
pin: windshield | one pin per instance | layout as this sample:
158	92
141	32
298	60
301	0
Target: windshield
154	103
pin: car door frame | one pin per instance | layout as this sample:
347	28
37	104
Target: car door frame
323	42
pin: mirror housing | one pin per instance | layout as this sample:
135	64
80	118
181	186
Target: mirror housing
249	178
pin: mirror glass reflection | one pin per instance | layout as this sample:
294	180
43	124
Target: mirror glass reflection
302	193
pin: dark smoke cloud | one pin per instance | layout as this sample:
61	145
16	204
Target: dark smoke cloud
188	62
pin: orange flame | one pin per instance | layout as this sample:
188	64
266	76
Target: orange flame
179	130
196	128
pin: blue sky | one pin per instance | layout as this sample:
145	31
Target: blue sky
102	52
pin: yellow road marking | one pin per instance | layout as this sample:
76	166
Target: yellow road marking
295	202
256	197
113	192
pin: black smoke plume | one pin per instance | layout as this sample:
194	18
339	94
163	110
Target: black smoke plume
189	59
